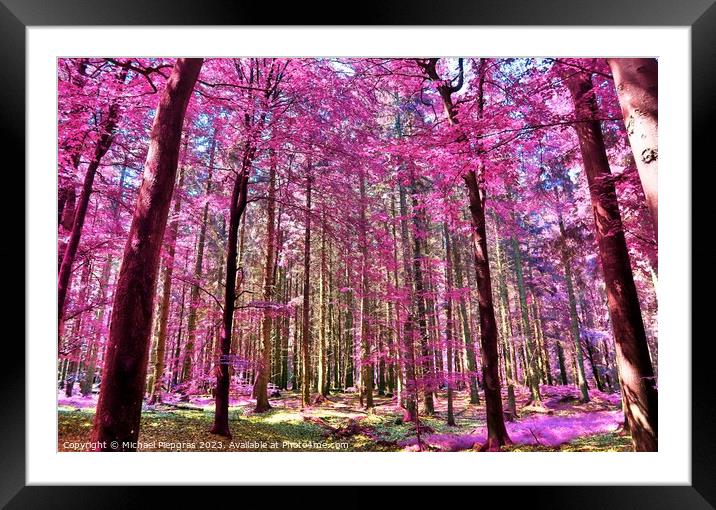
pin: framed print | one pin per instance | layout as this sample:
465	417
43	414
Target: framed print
422	248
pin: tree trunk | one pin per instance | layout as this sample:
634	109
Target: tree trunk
410	389
88	382
506	327
198	267
261	385
466	331
449	325
156	394
562	368
496	430
428	375
573	317
305	340
323	381
366	361
236	211
120	401
637	376
80	212
533	371
636	81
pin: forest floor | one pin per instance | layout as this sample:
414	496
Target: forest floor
339	424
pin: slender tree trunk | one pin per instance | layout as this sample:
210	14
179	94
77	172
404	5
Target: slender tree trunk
305	338
76	336
120	401
449	325
533	371
506	327
236	211
411	387
88	382
323	381
637	375
466	331
562	368
366	362
156	393
80	212
261	386
428	375
637	84
198	269
573	317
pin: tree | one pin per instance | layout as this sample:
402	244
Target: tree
636	373
120	400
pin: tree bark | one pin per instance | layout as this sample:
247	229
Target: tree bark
411	387
261	385
120	401
236	211
428	369
496	430
366	361
449	325
637	81
306	311
632	352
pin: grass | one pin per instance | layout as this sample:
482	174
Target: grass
284	428
613	442
274	431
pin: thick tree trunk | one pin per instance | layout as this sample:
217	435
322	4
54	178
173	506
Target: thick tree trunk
637	84
637	376
116	423
496	430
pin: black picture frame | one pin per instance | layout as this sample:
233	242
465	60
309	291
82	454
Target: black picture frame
700	15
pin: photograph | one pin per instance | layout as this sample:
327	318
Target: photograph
357	254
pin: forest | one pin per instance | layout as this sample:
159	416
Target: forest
357	254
